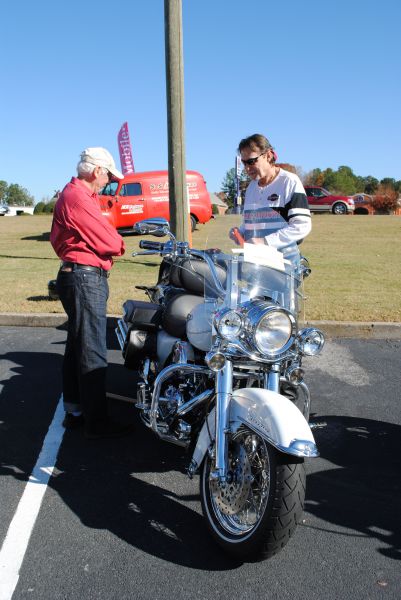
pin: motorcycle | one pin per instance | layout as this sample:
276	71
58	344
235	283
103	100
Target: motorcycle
219	355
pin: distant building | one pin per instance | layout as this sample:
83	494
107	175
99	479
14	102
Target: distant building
220	204
19	210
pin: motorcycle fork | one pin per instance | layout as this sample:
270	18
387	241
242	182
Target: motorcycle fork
272	379
224	380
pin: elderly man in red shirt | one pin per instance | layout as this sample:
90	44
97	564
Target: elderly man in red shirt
85	242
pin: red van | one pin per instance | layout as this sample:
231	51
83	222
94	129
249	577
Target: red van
143	195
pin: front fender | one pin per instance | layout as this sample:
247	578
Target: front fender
271	415
275	418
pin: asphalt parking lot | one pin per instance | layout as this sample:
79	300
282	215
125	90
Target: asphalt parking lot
120	519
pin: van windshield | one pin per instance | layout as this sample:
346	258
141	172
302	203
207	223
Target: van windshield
109	189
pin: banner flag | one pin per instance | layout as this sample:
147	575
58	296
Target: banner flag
124	146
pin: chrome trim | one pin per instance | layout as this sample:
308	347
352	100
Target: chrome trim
290	370
300	448
303	334
121	332
123	327
303	448
119	338
224	379
160	379
273	379
260	312
232	282
237	349
251	314
185	408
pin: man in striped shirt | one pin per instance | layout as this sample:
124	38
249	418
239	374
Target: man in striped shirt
276	209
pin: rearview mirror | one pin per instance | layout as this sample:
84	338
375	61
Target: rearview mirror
156	226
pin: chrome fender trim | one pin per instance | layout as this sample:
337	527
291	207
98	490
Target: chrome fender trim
269	414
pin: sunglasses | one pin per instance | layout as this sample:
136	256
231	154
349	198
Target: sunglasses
252	161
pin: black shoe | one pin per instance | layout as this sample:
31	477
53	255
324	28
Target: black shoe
70	421
107	429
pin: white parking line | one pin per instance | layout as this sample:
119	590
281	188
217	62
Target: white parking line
17	539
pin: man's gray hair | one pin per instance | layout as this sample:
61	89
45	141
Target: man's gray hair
85	169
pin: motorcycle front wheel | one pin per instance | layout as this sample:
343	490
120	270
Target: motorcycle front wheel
256	512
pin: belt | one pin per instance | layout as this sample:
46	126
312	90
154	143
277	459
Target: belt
70	266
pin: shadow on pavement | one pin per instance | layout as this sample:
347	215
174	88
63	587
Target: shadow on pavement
118	485
135	488
364	494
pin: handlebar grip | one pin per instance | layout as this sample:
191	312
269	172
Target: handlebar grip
148	245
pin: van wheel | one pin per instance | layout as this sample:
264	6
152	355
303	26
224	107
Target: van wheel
193	223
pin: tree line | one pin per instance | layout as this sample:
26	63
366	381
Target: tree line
15	195
341	181
344	181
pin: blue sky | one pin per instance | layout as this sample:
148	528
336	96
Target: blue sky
320	79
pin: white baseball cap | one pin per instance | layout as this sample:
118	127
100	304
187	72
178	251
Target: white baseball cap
100	157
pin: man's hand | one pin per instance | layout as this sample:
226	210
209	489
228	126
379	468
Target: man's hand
236	236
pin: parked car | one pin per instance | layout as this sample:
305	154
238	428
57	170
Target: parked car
145	195
4	209
320	200
363	204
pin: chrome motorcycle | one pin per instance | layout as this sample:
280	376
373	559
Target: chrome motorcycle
219	355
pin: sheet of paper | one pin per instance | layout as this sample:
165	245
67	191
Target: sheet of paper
264	255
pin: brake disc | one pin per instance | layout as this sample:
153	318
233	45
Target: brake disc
231	497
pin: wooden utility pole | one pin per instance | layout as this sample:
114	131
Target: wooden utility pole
178	198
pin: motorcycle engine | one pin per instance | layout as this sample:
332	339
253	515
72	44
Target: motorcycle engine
168	403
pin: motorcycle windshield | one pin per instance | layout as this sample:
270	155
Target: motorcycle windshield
251	276
256	270
247	273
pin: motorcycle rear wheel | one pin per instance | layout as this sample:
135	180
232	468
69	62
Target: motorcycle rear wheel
257	511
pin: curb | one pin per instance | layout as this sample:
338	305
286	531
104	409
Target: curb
332	329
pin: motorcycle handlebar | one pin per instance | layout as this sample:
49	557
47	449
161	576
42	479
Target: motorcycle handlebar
148	245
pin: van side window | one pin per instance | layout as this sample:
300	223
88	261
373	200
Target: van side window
109	189
131	189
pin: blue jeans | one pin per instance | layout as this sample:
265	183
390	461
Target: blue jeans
84	295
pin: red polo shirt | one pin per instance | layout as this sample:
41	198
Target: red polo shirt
80	233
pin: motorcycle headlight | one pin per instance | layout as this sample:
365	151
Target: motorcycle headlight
273	332
229	324
311	341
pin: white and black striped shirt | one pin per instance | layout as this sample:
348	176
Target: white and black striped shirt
278	212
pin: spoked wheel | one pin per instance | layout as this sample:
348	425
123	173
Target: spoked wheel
255	513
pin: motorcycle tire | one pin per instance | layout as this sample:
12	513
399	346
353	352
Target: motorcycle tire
254	515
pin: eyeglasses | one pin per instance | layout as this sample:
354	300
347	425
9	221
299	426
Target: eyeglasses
252	161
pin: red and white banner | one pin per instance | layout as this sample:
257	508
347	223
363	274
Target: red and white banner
124	146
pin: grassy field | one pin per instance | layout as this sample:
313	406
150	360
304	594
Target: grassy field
354	262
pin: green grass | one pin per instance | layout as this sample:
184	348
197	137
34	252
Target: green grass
355	266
